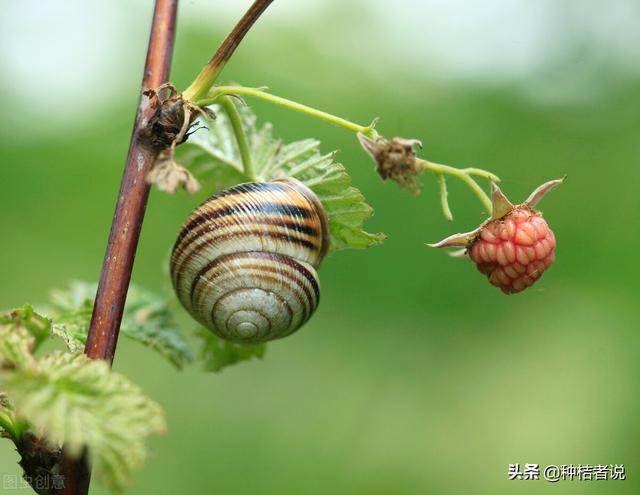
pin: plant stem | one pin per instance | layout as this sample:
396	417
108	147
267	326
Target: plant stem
444	198
219	91
464	174
210	72
127	220
241	137
219	94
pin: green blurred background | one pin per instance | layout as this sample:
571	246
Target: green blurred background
415	375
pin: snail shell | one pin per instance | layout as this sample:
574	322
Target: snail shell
244	264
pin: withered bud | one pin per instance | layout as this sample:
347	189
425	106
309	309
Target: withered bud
167	124
168	175
395	159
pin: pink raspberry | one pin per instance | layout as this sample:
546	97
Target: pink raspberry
515	251
515	246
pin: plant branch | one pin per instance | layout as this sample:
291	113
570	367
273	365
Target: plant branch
241	137
210	72
219	91
127	220
219	94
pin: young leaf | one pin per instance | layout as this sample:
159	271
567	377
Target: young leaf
216	150
78	402
217	354
26	318
16	346
147	319
70	399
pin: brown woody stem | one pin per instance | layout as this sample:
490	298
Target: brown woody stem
209	73
127	220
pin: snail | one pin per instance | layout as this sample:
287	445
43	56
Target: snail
244	263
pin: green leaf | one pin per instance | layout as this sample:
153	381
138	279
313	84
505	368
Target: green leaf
38	326
71	312
147	319
16	345
78	402
214	157
68	398
217	354
7	419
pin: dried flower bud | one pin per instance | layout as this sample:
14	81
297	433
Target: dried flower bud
167	126
395	159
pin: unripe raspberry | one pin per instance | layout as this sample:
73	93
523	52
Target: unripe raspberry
515	251
515	246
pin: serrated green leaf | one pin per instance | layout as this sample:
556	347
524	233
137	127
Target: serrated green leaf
147	319
217	354
73	334
80	403
21	331
68	398
215	151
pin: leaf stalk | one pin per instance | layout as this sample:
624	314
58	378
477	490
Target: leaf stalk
241	137
220	91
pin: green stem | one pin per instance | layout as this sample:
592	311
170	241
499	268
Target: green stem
484	198
210	72
219	94
241	137
444	198
464	175
259	93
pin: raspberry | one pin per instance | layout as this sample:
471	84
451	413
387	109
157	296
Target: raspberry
515	251
515	246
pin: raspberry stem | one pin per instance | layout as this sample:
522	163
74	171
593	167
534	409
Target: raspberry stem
465	175
220	91
219	94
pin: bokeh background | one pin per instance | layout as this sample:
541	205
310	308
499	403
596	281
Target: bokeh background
415	376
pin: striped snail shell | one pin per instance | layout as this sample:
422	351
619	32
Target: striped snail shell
244	264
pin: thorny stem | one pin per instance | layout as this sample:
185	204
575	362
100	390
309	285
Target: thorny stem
219	91
210	72
241	137
127	220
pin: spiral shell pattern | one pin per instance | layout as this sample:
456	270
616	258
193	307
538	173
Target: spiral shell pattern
244	264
